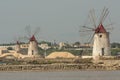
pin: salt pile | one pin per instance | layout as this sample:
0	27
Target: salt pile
61	55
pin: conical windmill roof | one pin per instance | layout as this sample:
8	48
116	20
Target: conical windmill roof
100	29
33	38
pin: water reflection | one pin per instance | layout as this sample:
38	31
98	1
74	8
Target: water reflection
66	75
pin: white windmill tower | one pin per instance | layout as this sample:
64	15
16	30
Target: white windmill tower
33	47
17	44
33	44
101	42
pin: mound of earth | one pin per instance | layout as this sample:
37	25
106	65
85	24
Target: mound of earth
60	55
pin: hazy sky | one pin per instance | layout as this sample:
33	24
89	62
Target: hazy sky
58	19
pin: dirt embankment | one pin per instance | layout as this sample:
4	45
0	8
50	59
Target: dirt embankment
65	64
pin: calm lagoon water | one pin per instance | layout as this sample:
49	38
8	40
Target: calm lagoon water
65	75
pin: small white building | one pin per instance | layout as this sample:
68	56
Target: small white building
44	46
61	45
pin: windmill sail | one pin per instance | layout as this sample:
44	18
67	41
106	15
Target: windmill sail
101	46
33	44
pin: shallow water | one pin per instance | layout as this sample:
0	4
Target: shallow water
65	75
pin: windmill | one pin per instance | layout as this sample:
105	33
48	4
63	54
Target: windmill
100	36
33	44
17	44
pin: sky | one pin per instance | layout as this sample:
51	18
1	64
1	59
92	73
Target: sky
58	20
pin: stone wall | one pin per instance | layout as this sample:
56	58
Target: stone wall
57	67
